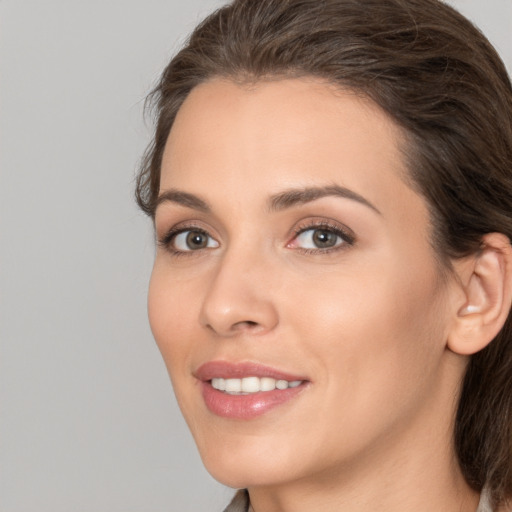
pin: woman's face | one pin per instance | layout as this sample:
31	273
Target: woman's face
292	254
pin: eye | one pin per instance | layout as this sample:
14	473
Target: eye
318	238
321	238
188	240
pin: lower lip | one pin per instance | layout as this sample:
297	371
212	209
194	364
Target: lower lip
246	407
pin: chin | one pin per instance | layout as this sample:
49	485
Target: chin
240	475
248	463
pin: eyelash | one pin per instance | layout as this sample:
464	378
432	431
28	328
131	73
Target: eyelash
347	237
167	239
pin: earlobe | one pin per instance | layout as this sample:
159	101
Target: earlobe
469	309
487	287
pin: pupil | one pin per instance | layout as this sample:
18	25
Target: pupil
196	240
324	238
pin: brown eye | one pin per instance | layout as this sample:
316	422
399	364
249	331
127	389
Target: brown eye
196	240
193	240
320	238
323	238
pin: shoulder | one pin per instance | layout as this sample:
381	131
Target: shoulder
239	503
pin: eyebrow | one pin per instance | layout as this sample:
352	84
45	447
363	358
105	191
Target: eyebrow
277	202
293	197
184	199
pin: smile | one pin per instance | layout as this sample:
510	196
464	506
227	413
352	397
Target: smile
249	385
245	391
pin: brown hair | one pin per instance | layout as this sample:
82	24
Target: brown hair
440	79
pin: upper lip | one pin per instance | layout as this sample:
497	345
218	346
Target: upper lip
230	370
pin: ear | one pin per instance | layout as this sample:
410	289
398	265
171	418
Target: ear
486	281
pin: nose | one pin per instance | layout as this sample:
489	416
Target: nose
239	298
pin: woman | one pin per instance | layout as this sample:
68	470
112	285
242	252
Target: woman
330	182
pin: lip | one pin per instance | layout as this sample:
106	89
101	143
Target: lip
245	407
227	370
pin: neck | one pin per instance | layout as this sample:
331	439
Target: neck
414	468
388	489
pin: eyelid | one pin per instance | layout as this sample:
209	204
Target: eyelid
168	236
344	232
341	230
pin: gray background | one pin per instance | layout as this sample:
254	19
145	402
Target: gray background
87	417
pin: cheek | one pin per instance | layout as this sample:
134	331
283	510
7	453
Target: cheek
373	337
171	315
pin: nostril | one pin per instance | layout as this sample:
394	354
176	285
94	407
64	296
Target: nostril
239	326
246	324
231	314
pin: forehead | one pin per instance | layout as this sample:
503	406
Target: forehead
270	135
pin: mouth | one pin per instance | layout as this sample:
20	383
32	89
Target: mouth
249	385
246	390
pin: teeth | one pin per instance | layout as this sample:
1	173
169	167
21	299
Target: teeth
267	384
281	384
233	385
252	385
219	384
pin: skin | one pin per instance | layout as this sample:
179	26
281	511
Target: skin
367	323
